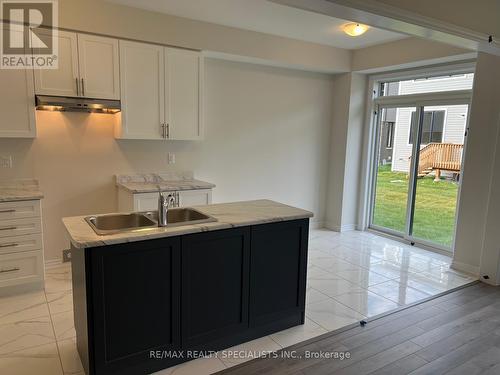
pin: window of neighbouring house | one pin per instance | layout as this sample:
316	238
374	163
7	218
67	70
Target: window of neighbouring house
390	134
432	127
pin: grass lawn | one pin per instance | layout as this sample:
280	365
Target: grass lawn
435	205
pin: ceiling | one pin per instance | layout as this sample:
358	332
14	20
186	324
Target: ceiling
267	17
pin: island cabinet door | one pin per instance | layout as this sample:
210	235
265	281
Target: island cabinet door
136	306
215	277
278	275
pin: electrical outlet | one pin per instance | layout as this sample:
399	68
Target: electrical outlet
66	255
171	158
6	161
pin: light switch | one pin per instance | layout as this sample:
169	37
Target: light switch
6	161
171	158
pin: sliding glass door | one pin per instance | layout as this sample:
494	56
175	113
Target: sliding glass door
438	171
392	166
416	170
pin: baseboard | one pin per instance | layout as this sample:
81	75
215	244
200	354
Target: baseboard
340	228
466	268
51	263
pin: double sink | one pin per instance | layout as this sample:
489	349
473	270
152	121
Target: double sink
119	223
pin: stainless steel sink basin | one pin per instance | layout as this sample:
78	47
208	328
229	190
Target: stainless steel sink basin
108	224
182	216
117	223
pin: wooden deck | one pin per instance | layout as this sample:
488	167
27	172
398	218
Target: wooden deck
458	333
439	157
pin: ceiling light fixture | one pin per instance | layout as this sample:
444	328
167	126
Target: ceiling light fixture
354	29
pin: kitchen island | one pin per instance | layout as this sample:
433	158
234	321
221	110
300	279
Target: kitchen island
148	299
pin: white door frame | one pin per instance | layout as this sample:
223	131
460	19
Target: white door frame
418	101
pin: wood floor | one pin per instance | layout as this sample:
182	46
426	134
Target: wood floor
458	333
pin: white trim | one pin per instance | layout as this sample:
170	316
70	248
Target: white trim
426	71
341	228
425	99
467	268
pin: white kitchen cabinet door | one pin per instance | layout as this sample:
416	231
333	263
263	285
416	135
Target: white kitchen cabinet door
17	104
64	80
183	98
142	91
188	198
99	67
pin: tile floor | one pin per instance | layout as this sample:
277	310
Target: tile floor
351	276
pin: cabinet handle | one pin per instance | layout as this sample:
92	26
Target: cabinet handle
77	87
9	270
168	131
162	126
6	211
83	87
8	228
9	245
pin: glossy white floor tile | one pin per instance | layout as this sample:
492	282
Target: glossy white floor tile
64	326
70	360
40	360
331	314
350	276
365	302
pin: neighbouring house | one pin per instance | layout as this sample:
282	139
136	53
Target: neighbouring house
443	125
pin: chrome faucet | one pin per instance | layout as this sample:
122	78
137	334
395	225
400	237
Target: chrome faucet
165	201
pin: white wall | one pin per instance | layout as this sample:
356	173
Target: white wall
405	53
100	16
267	136
476	243
349	105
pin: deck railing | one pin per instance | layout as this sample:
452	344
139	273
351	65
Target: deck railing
440	156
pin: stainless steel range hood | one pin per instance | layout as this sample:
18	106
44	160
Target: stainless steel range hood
67	104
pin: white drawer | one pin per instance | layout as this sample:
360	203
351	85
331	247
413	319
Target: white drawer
19	227
20	268
19	210
19	244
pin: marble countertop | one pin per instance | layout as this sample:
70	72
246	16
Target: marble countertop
19	190
170	181
228	215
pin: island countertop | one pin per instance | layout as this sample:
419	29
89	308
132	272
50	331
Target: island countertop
228	215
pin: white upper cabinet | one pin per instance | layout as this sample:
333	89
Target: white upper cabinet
64	80
87	67
183	85
17	103
160	92
142	91
98	63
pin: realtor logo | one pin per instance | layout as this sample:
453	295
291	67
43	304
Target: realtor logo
28	34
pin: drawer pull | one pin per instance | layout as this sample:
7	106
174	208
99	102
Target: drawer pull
9	270
6	211
8	228
9	244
